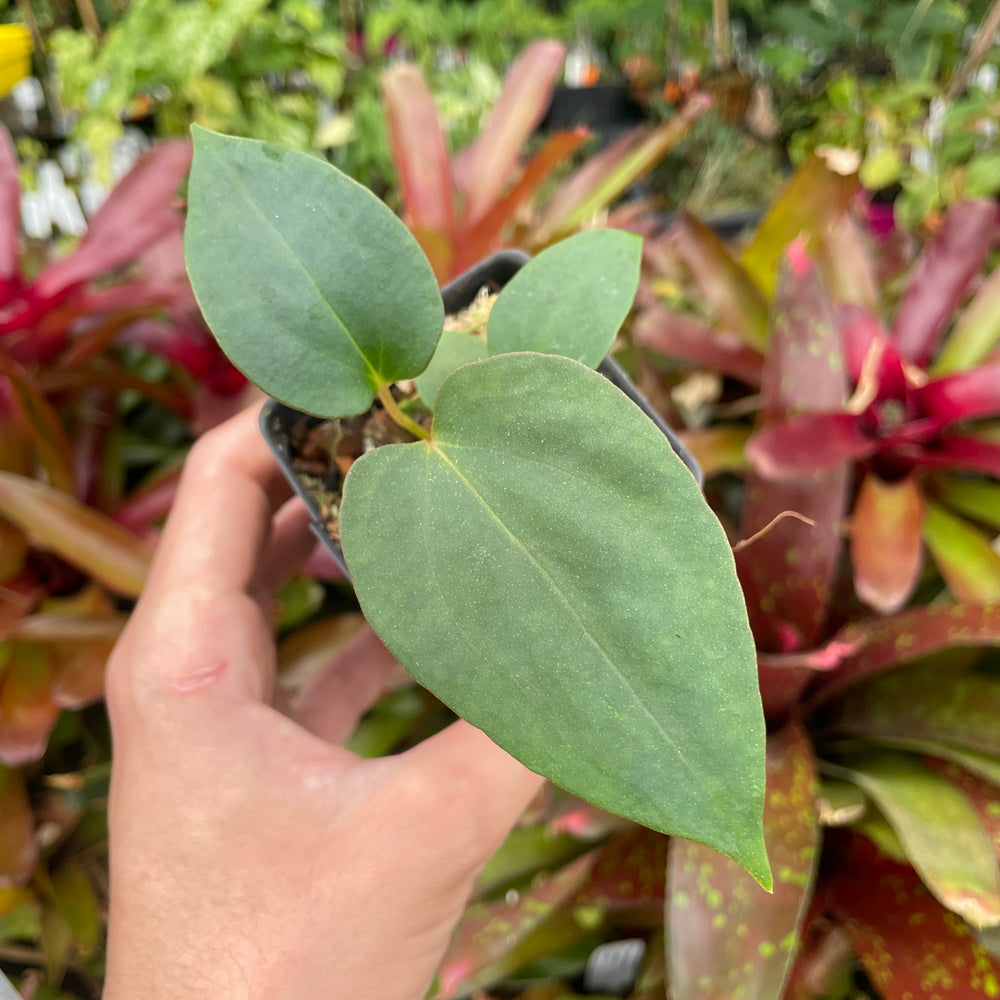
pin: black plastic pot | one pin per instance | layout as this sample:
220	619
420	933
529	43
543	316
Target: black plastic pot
605	107
277	421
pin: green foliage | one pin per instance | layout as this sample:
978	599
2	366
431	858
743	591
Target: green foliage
572	300
937	148
547	532
245	65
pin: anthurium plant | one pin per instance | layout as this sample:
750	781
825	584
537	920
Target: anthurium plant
529	545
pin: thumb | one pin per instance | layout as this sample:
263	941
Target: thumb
476	778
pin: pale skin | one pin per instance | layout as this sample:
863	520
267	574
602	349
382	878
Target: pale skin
251	855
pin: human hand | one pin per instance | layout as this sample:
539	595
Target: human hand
251	855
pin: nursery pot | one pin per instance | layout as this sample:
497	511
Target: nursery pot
281	424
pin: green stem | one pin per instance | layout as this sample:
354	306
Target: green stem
394	411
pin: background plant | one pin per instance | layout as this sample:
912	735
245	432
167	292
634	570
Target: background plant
810	318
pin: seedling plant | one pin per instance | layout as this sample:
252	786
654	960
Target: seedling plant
529	546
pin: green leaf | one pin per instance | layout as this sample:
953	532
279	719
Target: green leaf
551	571
938	827
455	348
947	698
809	205
977	499
571	299
976	333
314	289
963	554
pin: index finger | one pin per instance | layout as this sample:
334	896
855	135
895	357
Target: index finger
220	521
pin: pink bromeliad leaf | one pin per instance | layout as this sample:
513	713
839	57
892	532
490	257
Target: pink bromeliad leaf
947	701
941	277
419	150
816	443
786	570
728	288
138	212
484	236
844	256
965	395
860	331
891	918
866	648
679	336
489	932
10	218
726	937
606	175
958	452
488	164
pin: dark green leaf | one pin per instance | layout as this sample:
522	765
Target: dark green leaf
312	286
552	572
571	299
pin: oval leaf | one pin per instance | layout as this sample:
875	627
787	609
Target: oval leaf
314	289
568	591
939	829
455	348
571	299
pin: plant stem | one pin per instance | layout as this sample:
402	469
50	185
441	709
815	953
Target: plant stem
394	411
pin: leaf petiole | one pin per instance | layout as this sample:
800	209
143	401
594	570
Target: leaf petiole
393	409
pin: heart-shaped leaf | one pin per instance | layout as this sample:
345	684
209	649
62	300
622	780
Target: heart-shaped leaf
454	349
571	299
312	286
553	573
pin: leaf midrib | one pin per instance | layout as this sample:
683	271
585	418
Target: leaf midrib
436	447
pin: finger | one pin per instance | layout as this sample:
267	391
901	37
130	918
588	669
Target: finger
221	517
332	703
197	625
290	546
477	782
